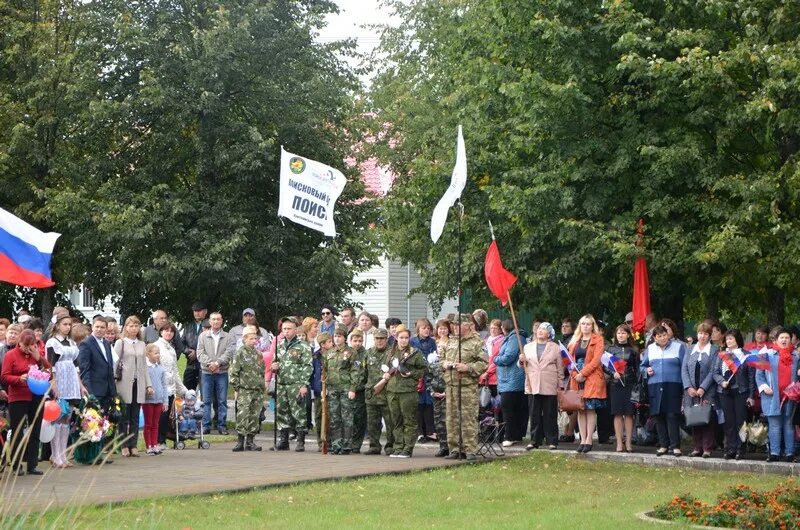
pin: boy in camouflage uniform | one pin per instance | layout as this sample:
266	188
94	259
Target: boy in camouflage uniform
293	365
342	375
359	403
377	406
247	379
474	362
434	383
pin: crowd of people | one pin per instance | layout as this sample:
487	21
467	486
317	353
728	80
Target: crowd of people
431	383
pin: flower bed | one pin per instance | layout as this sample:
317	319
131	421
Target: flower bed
739	507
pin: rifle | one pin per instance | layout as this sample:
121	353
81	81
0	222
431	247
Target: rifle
323	430
380	385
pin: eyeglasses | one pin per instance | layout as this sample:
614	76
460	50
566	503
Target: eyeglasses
326	313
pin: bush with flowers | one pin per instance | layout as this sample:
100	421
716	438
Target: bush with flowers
739	507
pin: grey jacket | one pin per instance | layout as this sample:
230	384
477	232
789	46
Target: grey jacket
207	353
706	379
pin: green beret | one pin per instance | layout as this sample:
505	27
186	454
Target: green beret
380	333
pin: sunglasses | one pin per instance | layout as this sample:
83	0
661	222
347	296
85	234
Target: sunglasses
326	313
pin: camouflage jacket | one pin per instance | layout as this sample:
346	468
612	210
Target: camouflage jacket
412	364
247	369
359	359
340	367
434	378
372	373
472	354
295	361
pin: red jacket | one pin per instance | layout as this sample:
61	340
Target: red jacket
16	364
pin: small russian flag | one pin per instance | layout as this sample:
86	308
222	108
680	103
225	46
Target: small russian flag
613	362
568	362
25	252
757	361
731	361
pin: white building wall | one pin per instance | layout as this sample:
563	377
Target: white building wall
402	280
374	299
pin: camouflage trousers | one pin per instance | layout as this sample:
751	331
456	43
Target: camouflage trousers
248	411
376	411
440	420
340	418
290	412
359	420
318	417
469	417
403	412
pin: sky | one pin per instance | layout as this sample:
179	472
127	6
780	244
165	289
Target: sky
354	14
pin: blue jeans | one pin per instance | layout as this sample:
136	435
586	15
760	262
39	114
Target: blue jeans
215	388
781	425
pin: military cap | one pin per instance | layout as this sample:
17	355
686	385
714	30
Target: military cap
323	337
199	306
466	318
340	330
381	333
357	333
293	320
249	330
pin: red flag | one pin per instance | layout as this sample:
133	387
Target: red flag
641	287
498	278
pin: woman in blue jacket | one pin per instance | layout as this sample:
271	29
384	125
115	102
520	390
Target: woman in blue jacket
772	385
511	385
661	365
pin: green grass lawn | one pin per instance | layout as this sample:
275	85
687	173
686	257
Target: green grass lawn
539	490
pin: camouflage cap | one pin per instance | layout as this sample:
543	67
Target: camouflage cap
293	320
323	337
249	330
466	318
340	330
381	333
357	333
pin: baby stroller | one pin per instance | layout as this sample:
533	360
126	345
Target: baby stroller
188	416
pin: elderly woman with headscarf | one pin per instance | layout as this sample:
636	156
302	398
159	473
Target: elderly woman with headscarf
544	374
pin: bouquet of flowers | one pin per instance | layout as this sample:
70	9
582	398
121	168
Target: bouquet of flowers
93	426
639	338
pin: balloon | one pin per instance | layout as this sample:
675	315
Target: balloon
38	387
52	411
47	432
141	419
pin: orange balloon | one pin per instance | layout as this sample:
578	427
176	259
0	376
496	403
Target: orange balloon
52	411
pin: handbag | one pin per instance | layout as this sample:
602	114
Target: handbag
570	400
639	391
698	415
485	397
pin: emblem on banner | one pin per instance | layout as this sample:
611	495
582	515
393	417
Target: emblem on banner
297	165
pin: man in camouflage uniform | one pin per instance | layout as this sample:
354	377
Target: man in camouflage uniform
434	383
377	406
342	374
293	365
359	403
474	362
247	379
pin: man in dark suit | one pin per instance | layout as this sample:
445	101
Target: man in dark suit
97	364
191	331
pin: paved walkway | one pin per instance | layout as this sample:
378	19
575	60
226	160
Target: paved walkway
195	471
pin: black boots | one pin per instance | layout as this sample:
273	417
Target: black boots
239	445
443	451
300	444
283	441
250	445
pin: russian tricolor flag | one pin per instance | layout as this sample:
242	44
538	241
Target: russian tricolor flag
568	362
613	362
25	252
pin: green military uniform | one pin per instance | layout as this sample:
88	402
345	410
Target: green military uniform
294	359
342	374
359	403
402	398
377	406
474	356
246	376
434	382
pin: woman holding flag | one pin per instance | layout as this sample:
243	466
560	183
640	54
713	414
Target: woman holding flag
736	385
587	347
624	355
772	385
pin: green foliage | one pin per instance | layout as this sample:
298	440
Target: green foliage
148	133
582	117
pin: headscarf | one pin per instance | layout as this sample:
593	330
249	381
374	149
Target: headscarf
550	329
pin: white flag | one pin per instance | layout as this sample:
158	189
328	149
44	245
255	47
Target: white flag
308	192
453	193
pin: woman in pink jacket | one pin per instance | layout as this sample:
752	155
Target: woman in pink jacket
544	374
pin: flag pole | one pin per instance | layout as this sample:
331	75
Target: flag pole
460	310
514	320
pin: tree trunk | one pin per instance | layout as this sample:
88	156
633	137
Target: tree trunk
712	307
776	306
670	305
